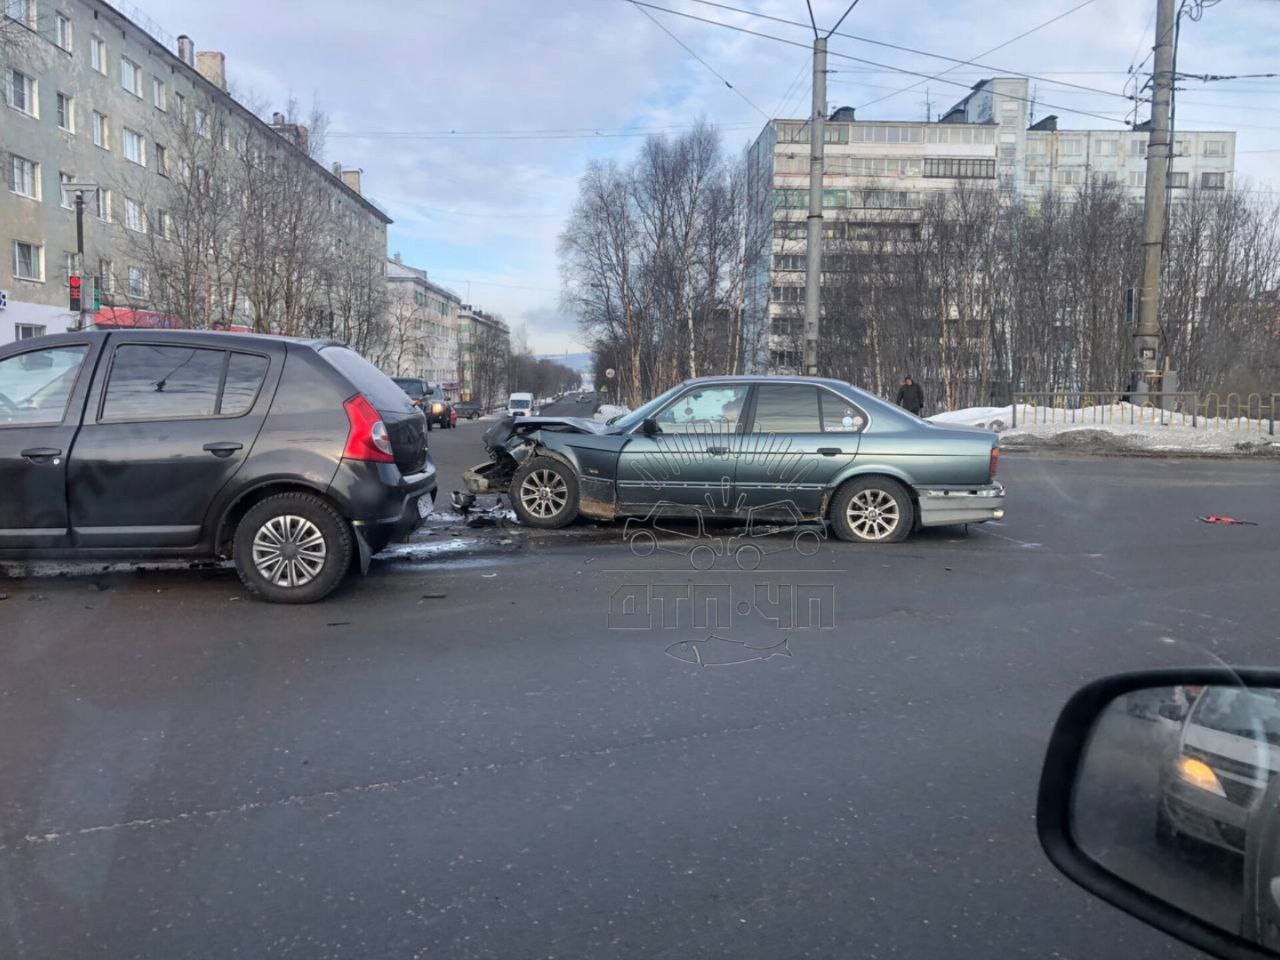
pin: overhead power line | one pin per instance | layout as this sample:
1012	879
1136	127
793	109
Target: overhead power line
1042	78
903	70
718	75
571	133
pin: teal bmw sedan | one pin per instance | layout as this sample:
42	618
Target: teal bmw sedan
733	447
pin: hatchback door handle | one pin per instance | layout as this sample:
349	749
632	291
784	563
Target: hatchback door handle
39	454
830	451
718	451
223	449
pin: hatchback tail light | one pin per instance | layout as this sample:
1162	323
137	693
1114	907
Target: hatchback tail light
367	438
995	461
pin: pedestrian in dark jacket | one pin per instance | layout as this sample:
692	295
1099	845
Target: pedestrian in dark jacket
910	396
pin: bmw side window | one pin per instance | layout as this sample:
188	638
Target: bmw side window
787	408
151	382
839	415
35	386
711	408
245	373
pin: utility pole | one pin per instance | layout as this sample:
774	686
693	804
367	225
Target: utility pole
86	295
1146	336
813	249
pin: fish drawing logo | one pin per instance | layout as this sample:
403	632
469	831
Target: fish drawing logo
714	651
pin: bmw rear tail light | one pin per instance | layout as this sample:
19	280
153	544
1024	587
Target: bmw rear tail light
367	439
995	461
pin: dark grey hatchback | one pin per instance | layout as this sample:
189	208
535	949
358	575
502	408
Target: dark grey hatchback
298	459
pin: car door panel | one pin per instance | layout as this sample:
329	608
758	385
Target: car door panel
37	430
139	478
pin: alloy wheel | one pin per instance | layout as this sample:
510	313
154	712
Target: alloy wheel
289	551
873	514
544	493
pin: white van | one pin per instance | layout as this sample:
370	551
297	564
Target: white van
520	405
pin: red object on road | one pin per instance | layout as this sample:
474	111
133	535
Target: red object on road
1230	521
453	417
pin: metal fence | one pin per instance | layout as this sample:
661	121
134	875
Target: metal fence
1222	411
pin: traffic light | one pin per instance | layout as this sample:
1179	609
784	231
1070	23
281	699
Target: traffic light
74	280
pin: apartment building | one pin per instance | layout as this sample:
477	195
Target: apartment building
878	174
484	343
424	319
93	97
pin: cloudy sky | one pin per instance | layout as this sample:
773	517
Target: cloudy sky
473	119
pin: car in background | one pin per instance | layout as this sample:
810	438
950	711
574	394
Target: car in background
806	448
520	405
468	409
297	459
414	387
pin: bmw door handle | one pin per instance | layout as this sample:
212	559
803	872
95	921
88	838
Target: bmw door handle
222	449
41	454
830	451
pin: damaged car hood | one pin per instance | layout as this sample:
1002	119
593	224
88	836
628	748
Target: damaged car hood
497	436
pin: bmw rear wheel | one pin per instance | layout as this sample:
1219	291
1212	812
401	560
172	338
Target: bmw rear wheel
544	493
872	510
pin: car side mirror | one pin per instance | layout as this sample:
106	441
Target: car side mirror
649	427
1176	823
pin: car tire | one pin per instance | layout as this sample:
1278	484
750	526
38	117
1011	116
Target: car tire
872	510
300	519
544	493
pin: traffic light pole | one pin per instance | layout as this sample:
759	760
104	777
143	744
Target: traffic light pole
82	323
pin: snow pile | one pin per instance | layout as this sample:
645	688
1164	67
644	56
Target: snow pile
1116	428
608	411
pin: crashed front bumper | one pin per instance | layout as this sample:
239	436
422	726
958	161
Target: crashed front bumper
950	504
489	477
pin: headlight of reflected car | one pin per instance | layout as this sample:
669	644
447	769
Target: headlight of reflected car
437	408
1199	774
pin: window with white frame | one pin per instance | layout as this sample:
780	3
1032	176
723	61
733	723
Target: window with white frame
62	31
1071	148
102	207
28	260
1105	148
28	331
24	11
68	201
98	54
1137	178
180	106
133	219
137	282
1215	148
1069	177
68	264
226	138
101	131
162	160
106	276
164	224
1178	178
1182	147
24	177
66	113
20	92
1213	181
131	76
1033	177
135	147
202	123
159	94
1138	147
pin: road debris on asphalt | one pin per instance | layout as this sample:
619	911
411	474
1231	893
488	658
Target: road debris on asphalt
1227	521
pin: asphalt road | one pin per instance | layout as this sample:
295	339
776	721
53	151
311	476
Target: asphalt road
503	749
570	407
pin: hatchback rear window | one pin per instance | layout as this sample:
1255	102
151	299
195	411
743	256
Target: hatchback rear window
378	388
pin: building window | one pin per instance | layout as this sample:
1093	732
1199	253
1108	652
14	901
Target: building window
1033	177
24	11
159	94
1138	147
130	76
1071	148
68	264
959	168
103	210
202	123
62	32
1070	177
101	131
1137	178
21	93
162	160
135	148
98	54
137	282
226	138
28	260
68	201
1213	181
28	331
180	106
25	179
1106	148
133	216
66	114
1215	148
106	276
164	225
1178	178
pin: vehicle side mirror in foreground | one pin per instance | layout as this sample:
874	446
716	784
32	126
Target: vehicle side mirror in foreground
649	427
1159	794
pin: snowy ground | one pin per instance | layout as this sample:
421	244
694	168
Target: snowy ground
1117	428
